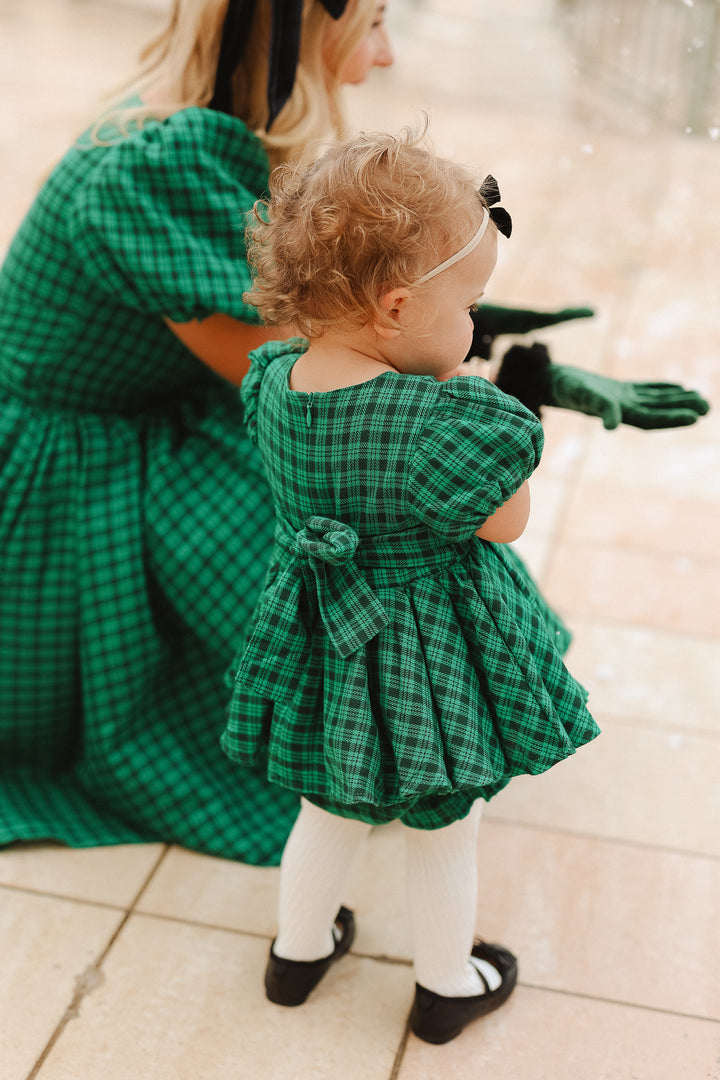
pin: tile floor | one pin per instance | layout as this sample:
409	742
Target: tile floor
603	875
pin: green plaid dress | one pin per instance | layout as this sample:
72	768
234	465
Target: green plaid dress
397	665
135	520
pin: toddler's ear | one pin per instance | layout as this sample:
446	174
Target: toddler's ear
393	302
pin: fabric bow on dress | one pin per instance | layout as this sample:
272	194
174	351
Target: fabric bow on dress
349	609
317	573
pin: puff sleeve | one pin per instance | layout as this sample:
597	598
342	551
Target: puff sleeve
260	361
477	450
160	221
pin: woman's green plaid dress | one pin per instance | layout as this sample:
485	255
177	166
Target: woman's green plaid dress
135	522
398	666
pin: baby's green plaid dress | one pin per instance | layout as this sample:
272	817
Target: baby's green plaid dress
135	520
397	666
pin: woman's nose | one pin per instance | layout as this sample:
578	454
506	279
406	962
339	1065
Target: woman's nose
384	56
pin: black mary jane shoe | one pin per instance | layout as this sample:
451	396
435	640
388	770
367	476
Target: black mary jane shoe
288	982
438	1019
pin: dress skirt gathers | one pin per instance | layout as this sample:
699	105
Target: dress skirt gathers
135	519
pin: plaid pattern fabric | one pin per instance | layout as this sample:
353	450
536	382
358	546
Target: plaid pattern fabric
135	519
455	680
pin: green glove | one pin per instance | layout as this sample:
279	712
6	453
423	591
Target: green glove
529	375
498	319
644	405
492	320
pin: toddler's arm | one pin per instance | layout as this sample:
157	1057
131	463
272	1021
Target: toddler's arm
509	520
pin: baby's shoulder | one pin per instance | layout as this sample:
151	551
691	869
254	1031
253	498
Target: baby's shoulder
274	357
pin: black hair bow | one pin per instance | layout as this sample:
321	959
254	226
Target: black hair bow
284	50
491	194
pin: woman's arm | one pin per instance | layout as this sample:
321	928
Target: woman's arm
509	520
223	343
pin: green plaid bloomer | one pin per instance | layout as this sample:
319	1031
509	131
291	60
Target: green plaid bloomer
397	666
135	520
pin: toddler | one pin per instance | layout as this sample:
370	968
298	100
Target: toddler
401	663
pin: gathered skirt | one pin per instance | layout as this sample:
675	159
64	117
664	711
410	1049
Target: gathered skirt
462	689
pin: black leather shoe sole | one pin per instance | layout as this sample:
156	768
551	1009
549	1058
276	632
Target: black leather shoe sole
437	1019
288	982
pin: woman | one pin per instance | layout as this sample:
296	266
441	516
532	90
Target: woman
135	521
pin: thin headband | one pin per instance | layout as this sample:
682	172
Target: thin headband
491	194
470	246
284	50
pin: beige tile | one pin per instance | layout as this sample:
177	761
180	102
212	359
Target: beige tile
47	947
678	464
566	439
216	892
607	920
106	875
671	334
377	891
540	1035
187	1002
629	517
669	338
548	494
536	551
671	592
631	783
653	677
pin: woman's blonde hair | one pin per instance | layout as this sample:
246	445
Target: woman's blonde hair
181	63
376	212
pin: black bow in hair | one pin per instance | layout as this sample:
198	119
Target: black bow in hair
284	49
491	194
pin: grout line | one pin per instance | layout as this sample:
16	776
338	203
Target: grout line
91	977
143	888
202	925
88	981
104	905
397	961
397	1063
619	1002
26	890
619	841
259	935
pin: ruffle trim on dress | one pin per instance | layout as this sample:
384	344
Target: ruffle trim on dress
424	708
260	360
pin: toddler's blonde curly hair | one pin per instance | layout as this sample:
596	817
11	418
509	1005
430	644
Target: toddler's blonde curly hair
376	212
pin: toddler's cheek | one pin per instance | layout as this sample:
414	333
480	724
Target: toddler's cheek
451	374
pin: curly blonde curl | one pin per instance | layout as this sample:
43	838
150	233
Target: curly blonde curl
374	213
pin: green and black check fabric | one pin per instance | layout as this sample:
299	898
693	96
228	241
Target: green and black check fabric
397	666
135	520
